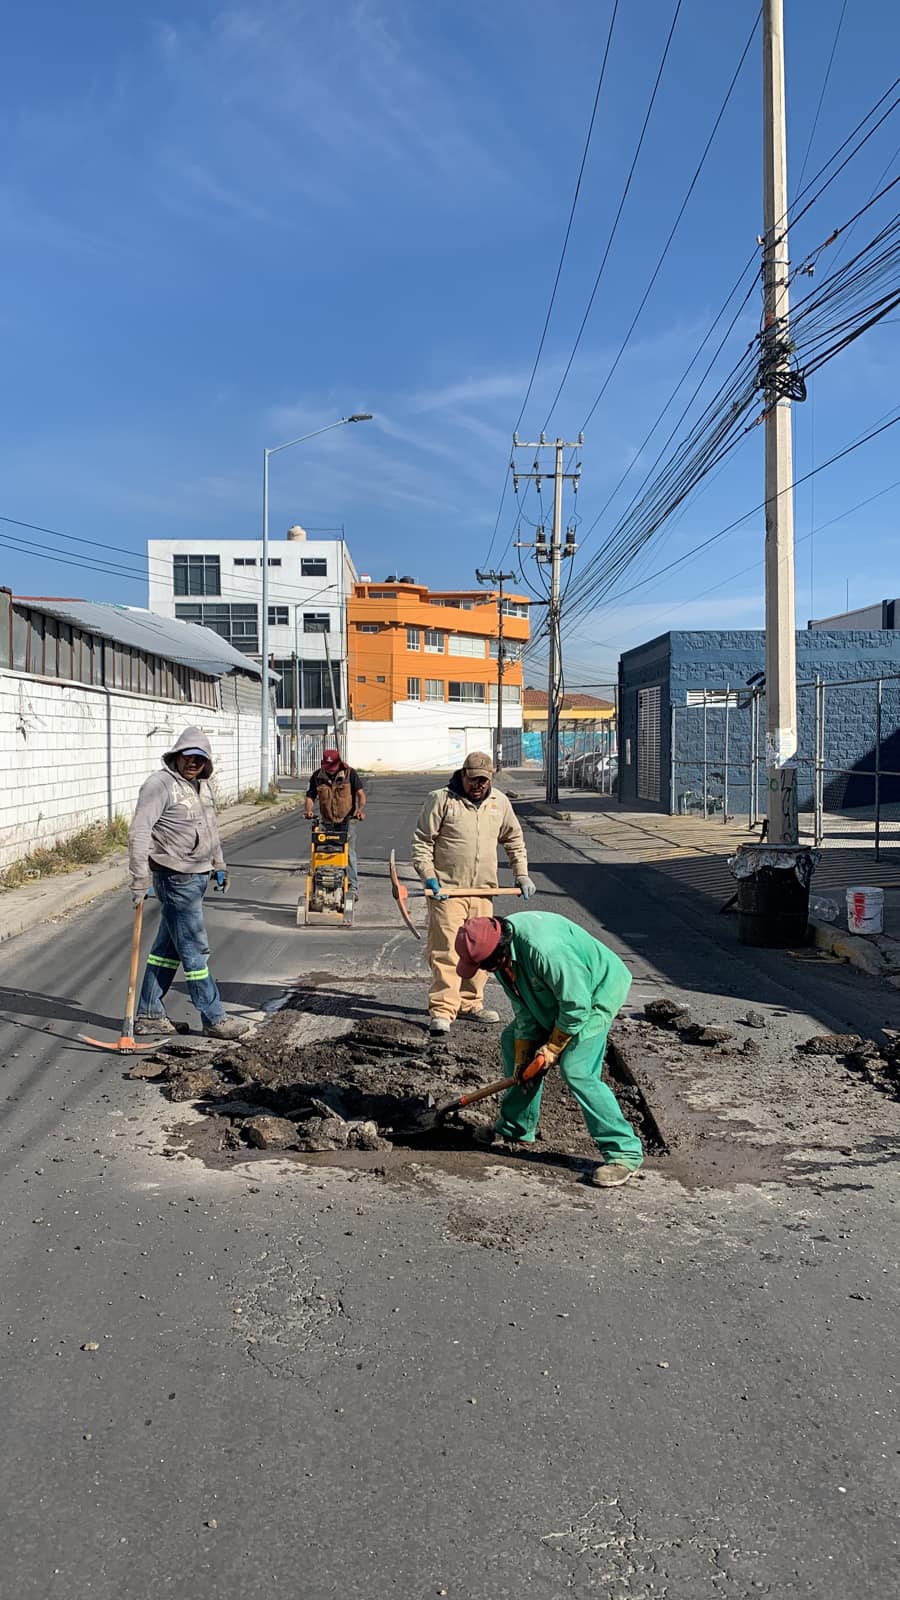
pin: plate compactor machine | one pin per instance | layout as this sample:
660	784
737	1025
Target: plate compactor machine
328	877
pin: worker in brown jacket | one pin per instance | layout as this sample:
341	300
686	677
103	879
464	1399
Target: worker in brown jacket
342	800
455	847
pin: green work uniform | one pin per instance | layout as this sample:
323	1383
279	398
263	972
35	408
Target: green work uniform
565	979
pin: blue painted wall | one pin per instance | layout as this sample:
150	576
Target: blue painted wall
682	661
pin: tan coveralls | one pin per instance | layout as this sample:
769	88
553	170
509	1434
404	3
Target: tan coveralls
456	841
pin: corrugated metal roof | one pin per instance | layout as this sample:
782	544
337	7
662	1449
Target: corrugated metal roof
185	643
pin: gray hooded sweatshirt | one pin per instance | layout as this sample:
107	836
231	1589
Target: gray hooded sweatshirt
174	823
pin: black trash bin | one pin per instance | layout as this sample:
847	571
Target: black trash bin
773	901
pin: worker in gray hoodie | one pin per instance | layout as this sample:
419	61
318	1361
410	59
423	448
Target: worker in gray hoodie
174	838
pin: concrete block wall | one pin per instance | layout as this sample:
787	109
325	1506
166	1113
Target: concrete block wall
643	668
72	755
718	660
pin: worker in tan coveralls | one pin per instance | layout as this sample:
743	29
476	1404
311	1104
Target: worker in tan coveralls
455	847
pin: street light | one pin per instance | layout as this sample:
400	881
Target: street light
358	416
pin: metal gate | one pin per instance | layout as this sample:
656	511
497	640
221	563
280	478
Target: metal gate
648	743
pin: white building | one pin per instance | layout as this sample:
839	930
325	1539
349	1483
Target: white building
218	583
92	695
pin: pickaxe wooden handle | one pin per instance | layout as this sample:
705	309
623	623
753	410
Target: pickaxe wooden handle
401	895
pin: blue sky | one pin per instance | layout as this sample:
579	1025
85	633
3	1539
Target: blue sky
226	225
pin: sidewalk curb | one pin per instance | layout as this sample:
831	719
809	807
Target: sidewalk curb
878	955
47	899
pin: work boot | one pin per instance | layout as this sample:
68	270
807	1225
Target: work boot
610	1174
484	1016
226	1028
160	1024
439	1025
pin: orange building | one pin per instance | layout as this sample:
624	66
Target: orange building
427	659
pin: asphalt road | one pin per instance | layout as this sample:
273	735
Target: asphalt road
315	1381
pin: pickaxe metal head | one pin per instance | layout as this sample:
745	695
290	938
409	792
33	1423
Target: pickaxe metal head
401	895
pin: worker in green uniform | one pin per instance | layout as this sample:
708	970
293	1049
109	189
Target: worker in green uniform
565	988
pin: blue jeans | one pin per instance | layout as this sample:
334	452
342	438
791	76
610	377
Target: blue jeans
180	941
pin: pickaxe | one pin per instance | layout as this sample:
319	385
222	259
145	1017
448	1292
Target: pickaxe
401	895
126	1044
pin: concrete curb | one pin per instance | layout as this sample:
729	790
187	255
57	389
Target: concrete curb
49	898
876	955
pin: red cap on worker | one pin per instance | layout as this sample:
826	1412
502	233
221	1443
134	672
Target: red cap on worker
331	758
476	940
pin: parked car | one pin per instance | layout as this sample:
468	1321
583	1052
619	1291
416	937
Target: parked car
594	769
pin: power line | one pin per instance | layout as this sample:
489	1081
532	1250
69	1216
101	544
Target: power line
812	131
621	207
565	246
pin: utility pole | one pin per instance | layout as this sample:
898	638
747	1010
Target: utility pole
554	557
499	578
775	377
295	714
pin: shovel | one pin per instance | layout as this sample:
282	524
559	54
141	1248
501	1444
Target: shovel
401	895
125	1044
428	1121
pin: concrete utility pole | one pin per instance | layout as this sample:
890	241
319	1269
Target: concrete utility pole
781	649
498	578
554	557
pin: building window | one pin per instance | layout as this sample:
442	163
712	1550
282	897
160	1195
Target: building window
434	641
313	567
245	561
380	680
315	622
196	575
274	561
413	638
238	624
434	689
368	627
382	594
466	693
464	644
278	617
413	688
512	651
312	682
512	694
515	608
361	678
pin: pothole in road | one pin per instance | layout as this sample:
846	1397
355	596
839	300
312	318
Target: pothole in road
345	1100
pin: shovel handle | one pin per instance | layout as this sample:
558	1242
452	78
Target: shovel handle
535	1069
469	894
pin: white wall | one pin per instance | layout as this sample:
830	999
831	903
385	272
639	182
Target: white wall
71	755
424	737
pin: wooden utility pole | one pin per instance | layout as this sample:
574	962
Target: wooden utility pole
499	578
554	557
781	649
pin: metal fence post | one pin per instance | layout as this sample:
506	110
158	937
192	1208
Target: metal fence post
672	729
878	695
819	774
751	775
725	765
705	761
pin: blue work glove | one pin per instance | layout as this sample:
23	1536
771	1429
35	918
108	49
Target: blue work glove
527	886
221	883
434	885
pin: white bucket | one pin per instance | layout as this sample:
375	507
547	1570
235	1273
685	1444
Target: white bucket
865	910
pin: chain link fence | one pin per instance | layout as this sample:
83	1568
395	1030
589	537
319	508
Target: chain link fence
848	759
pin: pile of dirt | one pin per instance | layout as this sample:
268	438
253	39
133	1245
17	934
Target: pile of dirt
360	1090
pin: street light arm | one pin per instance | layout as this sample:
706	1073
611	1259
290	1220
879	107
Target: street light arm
360	416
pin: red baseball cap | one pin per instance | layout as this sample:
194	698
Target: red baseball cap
331	758
476	940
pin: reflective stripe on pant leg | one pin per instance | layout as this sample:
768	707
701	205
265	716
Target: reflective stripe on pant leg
184	919
162	962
